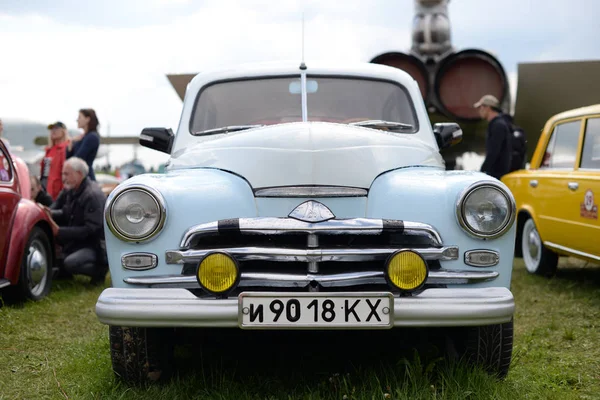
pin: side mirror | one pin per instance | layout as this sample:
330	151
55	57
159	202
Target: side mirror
447	134
160	139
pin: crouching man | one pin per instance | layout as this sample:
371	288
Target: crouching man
78	211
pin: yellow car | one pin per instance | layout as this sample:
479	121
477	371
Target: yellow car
557	197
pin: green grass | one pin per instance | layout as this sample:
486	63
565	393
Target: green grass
56	349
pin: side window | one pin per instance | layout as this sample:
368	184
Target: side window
5	167
561	151
590	158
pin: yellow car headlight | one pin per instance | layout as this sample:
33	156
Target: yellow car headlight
406	270
217	273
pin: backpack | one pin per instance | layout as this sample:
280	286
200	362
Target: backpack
519	148
518	144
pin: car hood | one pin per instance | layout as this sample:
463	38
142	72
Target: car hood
312	153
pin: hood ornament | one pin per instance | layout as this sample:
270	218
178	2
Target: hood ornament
312	211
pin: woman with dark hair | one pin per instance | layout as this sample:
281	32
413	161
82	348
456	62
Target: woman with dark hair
85	146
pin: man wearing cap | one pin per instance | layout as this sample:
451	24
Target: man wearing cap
498	144
52	163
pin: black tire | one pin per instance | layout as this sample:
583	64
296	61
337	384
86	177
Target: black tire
538	258
141	355
519	235
489	347
35	275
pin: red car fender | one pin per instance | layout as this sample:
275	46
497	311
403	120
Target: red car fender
28	215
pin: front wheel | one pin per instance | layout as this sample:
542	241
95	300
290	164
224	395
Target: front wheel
538	258
35	275
141	355
489	346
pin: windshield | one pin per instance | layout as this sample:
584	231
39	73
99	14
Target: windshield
269	101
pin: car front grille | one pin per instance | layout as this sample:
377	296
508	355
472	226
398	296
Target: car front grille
333	255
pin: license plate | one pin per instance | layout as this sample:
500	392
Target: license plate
315	310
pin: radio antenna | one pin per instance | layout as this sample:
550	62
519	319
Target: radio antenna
303	37
303	79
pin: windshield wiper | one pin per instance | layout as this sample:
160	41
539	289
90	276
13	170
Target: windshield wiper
226	129
386	125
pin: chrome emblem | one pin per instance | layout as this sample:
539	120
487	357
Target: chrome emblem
312	211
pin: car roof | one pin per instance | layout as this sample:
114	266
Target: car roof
574	113
284	68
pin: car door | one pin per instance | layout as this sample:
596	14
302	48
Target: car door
584	198
553	194
9	198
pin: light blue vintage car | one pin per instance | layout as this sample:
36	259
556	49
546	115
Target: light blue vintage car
310	197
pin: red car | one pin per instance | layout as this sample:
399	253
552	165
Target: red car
26	238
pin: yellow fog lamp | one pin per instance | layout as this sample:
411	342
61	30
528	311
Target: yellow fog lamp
217	273
406	270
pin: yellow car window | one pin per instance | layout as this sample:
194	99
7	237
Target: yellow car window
561	151
590	157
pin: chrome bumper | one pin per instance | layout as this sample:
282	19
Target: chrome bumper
180	308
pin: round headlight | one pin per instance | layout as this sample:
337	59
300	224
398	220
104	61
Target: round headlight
217	272
486	211
136	214
406	270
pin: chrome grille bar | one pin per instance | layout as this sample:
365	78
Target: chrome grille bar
308	255
260	279
311	191
279	226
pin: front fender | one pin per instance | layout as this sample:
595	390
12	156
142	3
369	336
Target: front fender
192	197
526	208
28	215
430	196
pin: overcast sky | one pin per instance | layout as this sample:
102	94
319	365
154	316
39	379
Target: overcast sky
57	56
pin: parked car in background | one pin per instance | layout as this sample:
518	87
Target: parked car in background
107	182
132	168
303	197
557	197
26	238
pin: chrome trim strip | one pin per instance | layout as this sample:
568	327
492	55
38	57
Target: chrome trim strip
570	250
447	253
143	307
154	258
311	191
183	281
470	189
253	279
449	277
492	253
4	283
160	201
278	226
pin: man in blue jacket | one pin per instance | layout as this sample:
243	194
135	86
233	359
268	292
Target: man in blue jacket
498	141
